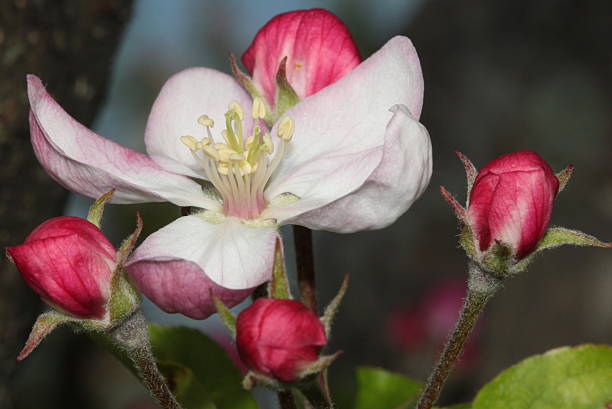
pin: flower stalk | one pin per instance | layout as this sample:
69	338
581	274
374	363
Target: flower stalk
481	288
304	255
131	337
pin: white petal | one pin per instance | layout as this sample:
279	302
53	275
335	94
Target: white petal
340	131
398	181
91	165
231	254
182	100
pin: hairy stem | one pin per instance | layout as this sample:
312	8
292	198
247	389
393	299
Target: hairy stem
481	287
304	255
132	338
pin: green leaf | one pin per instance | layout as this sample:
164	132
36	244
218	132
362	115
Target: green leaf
563	378
458	406
380	389
209	378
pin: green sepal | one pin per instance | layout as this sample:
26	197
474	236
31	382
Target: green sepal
250	87
564	177
252	379
278	287
381	389
96	210
467	242
556	237
227	317
470	172
498	260
319	365
286	97
332	307
559	236
130	242
124	298
45	323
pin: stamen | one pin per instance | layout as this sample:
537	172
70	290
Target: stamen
240	166
286	128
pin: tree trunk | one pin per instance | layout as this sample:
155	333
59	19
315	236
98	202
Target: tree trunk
70	46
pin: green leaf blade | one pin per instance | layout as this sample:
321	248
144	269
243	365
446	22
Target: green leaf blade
380	389
210	378
563	378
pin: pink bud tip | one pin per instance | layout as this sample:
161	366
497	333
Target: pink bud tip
511	202
279	338
69	262
318	47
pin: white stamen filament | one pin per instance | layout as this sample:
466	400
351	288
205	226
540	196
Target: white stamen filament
240	168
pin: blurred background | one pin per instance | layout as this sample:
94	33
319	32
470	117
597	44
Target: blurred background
499	77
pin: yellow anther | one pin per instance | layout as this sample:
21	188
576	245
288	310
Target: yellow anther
225	154
246	168
286	128
259	108
268	146
237	108
237	157
190	142
250	141
207	121
212	152
206	141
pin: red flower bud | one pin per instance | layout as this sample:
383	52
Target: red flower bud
279	338
511	202
318	47
69	262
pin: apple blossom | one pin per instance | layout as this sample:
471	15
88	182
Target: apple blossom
350	157
69	262
279	338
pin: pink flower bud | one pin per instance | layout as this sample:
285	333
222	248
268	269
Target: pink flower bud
511	202
318	47
69	262
279	338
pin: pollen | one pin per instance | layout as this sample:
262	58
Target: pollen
238	165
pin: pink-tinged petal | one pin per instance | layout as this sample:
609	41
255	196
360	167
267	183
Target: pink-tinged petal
318	47
67	273
86	163
179	286
340	131
184	98
397	182
231	254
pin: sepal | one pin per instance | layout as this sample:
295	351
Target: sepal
286	97
252	379
247	83
96	210
278	287
460	211
226	316
564	177
470	171
319	365
45	323
559	236
332	307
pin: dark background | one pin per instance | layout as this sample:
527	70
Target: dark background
499	77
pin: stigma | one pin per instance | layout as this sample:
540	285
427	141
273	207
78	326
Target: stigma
238	165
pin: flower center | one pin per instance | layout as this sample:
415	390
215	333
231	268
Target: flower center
239	168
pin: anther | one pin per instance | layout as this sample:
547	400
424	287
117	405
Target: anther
190	142
206	121
286	128
235	106
258	109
